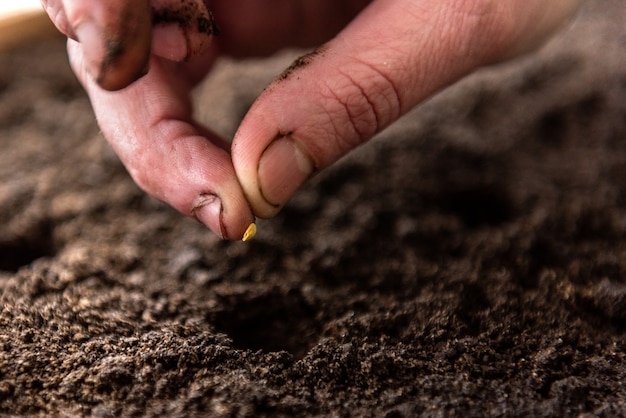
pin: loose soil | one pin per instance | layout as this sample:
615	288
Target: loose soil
470	261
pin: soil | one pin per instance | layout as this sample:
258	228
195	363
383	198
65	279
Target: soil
470	261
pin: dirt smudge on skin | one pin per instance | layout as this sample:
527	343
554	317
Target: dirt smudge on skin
189	16
127	39
300	63
195	21
115	48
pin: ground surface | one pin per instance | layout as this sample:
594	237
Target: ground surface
470	261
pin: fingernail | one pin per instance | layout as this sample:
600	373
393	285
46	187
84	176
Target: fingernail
284	166
169	41
91	38
208	210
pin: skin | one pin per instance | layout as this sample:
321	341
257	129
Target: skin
139	60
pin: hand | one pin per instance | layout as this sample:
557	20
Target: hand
376	61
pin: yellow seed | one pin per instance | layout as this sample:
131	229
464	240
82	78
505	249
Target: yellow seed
250	232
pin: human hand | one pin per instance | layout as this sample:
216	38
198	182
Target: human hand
391	56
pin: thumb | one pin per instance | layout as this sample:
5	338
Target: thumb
392	56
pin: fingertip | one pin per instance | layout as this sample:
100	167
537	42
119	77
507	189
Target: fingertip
247	150
208	209
122	67
169	42
236	223
182	30
89	35
284	166
115	41
229	220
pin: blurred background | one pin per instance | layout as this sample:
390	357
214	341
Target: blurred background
9	7
22	21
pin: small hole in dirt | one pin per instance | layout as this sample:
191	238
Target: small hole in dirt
488	205
551	129
20	251
474	302
278	321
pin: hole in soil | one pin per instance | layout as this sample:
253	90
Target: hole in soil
277	321
488	205
23	250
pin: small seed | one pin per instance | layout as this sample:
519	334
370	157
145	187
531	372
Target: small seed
250	232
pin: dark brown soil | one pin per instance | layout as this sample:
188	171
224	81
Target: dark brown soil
469	262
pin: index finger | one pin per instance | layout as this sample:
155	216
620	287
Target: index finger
116	34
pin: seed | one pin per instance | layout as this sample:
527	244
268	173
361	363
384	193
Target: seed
250	232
